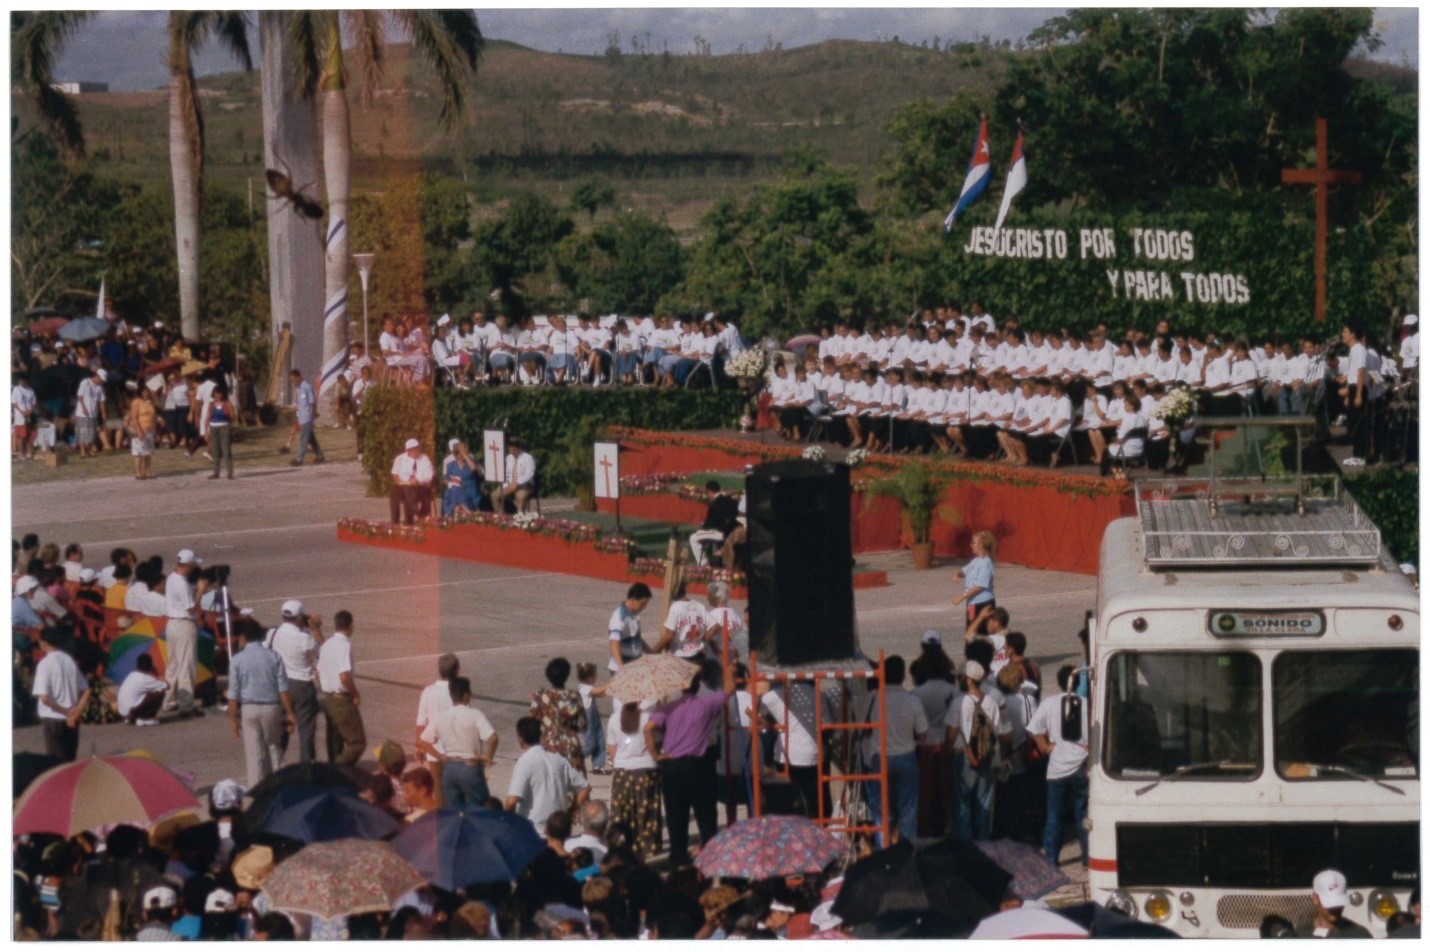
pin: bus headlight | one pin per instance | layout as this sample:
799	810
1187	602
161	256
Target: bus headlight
1383	904
1158	907
1122	904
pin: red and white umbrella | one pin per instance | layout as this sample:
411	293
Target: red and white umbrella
91	793
1028	922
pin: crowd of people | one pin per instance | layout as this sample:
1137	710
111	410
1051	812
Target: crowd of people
963	383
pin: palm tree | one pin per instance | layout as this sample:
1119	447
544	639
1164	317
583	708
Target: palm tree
187	32
35	42
450	42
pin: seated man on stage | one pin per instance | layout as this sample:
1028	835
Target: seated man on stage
412	475
520	479
720	519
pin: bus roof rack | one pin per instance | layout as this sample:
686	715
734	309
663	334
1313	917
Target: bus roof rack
1285	522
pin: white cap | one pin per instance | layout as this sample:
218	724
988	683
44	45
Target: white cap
102	374
227	795
932	637
292	608
159	325
1330	887
245	613
452	443
411	445
187	557
974	670
444	320
1410	320
131	385
1407	569
220	900
88	575
26	584
161	897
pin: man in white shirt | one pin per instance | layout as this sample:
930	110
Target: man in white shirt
436	700
411	495
791	708
906	726
296	641
975	783
520	478
542	782
469	746
89	412
341	700
1410	343
22	408
686	625
624	628
595	817
141	695
61	695
181	597
1059	728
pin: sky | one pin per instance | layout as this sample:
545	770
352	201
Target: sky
127	49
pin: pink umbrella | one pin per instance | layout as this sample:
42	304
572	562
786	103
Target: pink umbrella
75	797
1028	922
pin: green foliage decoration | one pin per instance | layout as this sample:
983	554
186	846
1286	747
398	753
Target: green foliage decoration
390	417
918	489
1391	497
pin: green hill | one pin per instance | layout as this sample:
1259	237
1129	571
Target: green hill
671	132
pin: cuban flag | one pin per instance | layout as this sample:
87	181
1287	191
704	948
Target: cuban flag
1017	178
976	180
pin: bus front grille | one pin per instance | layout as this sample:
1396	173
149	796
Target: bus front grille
1247	910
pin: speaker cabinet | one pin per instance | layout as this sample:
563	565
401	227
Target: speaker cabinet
801	564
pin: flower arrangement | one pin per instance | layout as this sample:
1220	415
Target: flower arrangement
373	529
856	457
1177	407
747	423
646	567
814	453
651	484
616	545
746	365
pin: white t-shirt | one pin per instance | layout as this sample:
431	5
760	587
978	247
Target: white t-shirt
436	699
543	783
796	744
463	730
178	597
1017	712
334	658
88	399
295	646
625	628
1067	756
59	678
22	404
719	619
960	717
904	717
405	469
688	620
631	752
132	691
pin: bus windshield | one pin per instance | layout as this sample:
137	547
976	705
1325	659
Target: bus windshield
1192	714
1342	713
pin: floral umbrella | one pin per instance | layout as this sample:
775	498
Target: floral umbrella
769	846
341	878
144	637
651	678
1033	875
100	790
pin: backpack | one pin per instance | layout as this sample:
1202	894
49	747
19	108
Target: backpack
982	743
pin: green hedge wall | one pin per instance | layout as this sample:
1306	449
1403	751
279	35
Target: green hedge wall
558	424
1391	497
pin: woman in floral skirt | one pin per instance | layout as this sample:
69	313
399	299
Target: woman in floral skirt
635	785
562	716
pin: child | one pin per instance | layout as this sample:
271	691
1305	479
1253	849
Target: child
593	744
44	434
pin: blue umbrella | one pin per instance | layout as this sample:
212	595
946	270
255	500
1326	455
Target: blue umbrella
311	814
456	848
84	328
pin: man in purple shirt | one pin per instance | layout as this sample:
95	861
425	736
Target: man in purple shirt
687	776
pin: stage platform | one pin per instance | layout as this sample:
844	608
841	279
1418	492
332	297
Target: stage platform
1042	518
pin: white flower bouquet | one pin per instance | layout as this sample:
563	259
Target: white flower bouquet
856	457
746	365
814	453
1177	407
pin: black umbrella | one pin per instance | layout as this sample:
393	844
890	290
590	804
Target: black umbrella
312	814
315	773
939	886
1103	923
28	766
58	382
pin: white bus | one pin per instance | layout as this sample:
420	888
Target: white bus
1255	712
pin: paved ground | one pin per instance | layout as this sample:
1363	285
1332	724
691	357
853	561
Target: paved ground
276	526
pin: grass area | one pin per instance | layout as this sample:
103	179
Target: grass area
650	535
254	447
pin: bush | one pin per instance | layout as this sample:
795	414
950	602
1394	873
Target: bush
1391	498
550	420
391	416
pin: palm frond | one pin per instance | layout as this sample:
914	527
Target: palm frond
232	30
35	41
369	50
451	43
306	38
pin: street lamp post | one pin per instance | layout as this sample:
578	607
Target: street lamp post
364	260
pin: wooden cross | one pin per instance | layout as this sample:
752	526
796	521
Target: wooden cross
606	465
1321	177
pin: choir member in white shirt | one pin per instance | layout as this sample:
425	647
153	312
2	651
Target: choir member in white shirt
1131	434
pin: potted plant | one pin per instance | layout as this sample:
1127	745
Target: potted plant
917	488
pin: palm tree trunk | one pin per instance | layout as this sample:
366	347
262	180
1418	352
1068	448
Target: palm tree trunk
337	162
186	211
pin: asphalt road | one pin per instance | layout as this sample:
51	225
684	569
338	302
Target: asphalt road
276	527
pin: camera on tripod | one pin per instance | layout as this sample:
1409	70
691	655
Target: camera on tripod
216	575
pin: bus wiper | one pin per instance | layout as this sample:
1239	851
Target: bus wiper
1186	769
1356	774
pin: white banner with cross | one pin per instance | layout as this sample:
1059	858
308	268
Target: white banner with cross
494	455
608	471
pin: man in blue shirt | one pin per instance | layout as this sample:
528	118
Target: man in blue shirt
257	685
306	404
